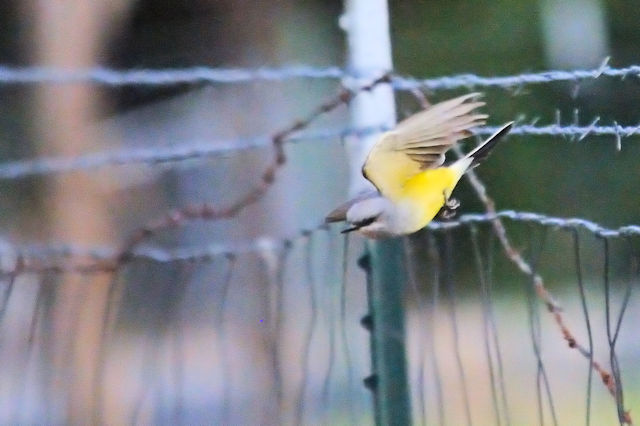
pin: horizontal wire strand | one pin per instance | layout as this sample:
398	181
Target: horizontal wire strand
544	220
166	77
158	155
43	166
159	77
162	77
472	80
52	254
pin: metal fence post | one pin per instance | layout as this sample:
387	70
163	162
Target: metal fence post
367	25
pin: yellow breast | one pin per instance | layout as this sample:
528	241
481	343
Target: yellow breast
425	194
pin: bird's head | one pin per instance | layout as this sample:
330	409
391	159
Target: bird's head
370	217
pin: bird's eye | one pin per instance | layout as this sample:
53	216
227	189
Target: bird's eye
365	222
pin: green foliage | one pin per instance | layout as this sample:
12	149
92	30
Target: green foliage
556	176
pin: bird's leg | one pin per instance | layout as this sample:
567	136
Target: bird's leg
452	203
449	208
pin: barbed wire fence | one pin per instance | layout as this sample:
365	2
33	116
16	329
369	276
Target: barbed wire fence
66	257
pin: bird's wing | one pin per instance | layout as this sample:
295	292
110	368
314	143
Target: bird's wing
419	142
339	214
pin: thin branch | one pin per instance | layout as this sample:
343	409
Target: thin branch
179	217
538	283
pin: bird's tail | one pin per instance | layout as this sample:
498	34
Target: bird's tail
479	154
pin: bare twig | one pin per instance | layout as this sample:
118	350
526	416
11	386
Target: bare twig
180	216
543	293
524	267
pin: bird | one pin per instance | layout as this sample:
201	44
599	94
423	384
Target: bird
406	167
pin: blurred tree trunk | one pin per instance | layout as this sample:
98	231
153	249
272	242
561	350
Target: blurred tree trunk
72	34
69	34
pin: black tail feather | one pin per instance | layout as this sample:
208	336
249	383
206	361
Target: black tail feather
482	152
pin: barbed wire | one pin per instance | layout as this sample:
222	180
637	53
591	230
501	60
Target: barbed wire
55	256
161	155
475	81
149	155
166	77
572	131
163	77
62	257
543	220
72	258
196	150
42	166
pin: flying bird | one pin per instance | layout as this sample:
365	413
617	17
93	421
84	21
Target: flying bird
406	166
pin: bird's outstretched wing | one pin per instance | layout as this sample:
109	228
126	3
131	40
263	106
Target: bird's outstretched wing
419	142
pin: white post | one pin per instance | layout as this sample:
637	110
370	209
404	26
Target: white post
366	23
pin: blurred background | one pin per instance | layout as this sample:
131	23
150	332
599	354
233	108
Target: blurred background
268	332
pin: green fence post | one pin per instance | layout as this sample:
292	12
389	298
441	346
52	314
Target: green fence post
384	264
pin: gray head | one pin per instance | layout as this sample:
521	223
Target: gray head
371	217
